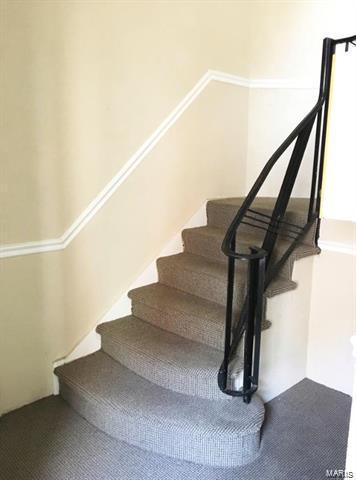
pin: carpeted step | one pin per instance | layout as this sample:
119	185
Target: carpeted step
221	212
206	241
197	275
208	279
179	312
154	383
302	251
164	358
130	408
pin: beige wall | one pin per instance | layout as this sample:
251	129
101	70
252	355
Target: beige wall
333	309
83	85
286	35
339	192
51	301
281	110
286	43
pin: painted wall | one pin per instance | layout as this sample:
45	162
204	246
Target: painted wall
281	109
286	44
286	35
339	192
85	84
333	308
290	32
50	301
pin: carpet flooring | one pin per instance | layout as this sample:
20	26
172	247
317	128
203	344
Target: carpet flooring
304	434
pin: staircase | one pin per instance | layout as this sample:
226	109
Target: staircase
166	376
154	383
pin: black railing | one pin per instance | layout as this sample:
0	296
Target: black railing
261	271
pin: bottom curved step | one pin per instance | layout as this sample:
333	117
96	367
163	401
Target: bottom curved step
164	358
130	408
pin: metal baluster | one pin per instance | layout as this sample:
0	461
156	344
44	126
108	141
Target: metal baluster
260	268
223	372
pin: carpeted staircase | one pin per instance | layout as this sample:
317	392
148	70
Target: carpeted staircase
154	382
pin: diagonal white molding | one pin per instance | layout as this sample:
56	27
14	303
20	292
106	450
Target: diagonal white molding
50	245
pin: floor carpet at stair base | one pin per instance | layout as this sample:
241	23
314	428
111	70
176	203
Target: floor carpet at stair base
304	435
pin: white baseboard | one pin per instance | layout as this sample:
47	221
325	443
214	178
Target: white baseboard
122	307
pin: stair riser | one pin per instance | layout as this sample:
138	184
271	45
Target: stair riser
226	451
199	284
196	329
210	247
221	216
203	384
287	269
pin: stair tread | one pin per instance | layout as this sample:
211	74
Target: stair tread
166	297
108	382
164	358
221	212
194	317
218	271
207	241
135	410
245	239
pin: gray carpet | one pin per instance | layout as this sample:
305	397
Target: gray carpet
153	384
132	409
305	433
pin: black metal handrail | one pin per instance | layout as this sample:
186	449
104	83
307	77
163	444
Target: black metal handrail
260	272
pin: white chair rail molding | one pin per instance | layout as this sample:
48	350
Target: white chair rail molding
177	239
